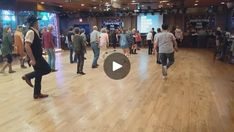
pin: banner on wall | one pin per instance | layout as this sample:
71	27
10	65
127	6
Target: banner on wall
112	24
200	23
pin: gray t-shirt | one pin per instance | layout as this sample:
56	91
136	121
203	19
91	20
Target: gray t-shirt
165	42
94	37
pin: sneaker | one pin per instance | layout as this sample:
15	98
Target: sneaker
164	77
12	71
54	70
94	67
23	66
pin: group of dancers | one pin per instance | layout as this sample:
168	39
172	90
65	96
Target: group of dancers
129	41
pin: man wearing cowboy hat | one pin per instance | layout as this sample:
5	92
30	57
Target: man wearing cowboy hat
34	51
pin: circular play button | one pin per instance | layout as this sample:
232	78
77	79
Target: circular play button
117	66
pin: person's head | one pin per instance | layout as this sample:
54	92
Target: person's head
159	30
33	21
19	28
95	28
70	28
133	30
137	32
103	30
50	28
77	30
218	28
6	30
164	27
152	29
82	30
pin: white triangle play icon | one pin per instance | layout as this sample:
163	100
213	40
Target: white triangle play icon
116	66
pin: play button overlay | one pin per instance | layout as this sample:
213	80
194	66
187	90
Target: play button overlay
117	66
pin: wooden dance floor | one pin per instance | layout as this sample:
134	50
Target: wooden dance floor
197	97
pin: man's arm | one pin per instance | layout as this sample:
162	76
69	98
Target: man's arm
175	44
29	53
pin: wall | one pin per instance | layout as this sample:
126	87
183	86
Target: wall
222	17
65	23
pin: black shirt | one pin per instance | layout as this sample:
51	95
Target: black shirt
69	36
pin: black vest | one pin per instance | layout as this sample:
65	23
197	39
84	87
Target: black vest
36	46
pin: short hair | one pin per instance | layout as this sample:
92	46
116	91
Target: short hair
103	30
159	30
77	30
50	27
82	30
95	28
70	28
164	26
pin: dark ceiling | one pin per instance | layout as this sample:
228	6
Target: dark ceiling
100	5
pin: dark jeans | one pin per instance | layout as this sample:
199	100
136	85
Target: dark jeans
80	63
9	58
158	57
96	52
150	47
167	59
41	68
114	44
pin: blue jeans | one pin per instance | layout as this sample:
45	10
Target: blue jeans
96	52
51	58
73	56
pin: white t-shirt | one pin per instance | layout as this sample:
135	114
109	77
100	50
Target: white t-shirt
30	35
149	36
165	42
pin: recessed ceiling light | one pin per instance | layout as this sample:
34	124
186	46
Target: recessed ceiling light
60	6
82	4
42	3
197	1
133	1
94	7
196	4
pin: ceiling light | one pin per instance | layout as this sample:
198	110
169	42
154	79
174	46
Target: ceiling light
196	4
197	1
133	1
168	4
60	6
94	7
222	3
82	4
164	1
42	3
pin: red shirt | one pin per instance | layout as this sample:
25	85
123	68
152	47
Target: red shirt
47	40
138	38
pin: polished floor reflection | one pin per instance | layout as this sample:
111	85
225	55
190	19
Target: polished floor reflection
197	97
